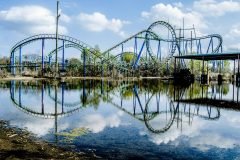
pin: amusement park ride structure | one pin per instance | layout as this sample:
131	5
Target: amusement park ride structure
150	46
158	44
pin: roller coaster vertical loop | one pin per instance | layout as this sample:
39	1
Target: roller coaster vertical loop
173	40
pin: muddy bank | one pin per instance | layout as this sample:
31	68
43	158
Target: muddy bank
16	143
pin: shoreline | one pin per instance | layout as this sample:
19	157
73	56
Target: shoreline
63	79
17	143
82	78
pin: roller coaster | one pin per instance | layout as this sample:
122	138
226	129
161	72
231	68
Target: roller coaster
155	45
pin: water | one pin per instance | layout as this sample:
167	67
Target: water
128	120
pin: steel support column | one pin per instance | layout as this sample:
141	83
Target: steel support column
56	115
62	97
20	60
84	93
63	58
42	98
135	48
42	55
139	55
20	93
11	61
14	67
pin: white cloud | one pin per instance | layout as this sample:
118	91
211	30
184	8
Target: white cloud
214	8
32	19
235	30
231	35
97	123
44	126
167	12
38	126
178	4
98	22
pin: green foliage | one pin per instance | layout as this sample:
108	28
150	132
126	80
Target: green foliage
128	56
74	66
72	134
197	66
127	94
225	89
226	67
74	62
4	60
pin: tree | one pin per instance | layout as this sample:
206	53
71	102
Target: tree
128	57
74	66
226	67
97	54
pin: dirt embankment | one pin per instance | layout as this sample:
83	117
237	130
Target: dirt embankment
20	144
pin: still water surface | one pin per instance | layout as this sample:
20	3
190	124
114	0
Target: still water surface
128	120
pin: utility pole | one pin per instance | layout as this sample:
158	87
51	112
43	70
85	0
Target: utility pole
56	70
57	18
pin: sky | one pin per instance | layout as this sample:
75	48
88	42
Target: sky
105	23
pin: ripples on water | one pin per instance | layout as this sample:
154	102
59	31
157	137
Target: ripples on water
124	120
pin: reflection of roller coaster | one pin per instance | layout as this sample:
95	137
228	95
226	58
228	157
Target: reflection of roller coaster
159	48
175	112
61	101
67	109
156	109
172	110
17	100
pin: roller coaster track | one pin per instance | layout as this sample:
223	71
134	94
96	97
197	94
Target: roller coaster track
140	35
76	46
107	58
29	111
126	40
151	115
68	39
217	36
168	125
174	41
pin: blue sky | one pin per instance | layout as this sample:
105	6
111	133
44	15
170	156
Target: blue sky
105	22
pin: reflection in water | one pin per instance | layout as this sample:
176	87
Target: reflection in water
110	115
29	109
157	116
209	96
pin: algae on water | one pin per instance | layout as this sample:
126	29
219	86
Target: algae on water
72	134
